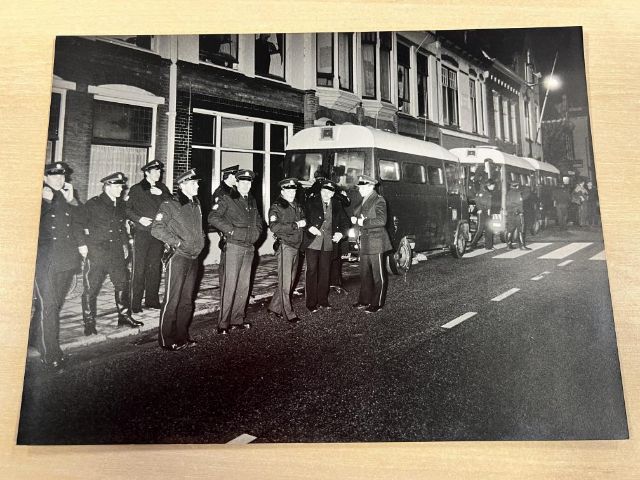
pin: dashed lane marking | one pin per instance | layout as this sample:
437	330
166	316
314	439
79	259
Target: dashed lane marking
599	256
459	320
565	263
540	277
565	251
504	295
518	253
242	439
482	251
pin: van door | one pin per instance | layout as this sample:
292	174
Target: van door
436	204
455	196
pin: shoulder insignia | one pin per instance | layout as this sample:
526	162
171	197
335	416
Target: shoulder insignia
158	217
273	218
215	200
215	207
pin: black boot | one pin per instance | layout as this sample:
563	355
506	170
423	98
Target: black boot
89	314
124	312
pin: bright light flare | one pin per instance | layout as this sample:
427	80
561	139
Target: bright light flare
552	82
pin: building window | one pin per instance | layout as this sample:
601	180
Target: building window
527	119
121	124
474	105
449	96
270	55
54	127
385	65
345	61
497	117
140	41
514	125
505	119
219	49
423	86
404	69
324	59
369	42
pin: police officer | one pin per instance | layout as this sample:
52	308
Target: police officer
327	225
58	257
335	277
286	221
515	220
484	200
226	187
143	204
178	224
371	218
103	219
237	217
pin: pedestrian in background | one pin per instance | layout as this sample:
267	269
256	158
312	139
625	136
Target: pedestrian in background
58	257
286	221
327	225
578	199
237	217
371	218
561	201
593	205
103	219
178	224
142	205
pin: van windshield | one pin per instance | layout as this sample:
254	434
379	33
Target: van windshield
343	167
347	167
303	166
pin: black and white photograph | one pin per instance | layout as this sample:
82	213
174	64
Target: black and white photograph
383	236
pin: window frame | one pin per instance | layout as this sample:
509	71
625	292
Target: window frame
236	59
437	168
349	60
283	55
446	75
424	76
329	77
375	44
404	101
410	178
386	45
396	169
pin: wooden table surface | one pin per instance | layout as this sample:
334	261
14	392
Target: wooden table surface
612	40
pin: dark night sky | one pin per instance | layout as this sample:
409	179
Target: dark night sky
543	42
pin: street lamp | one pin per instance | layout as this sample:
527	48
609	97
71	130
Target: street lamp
550	83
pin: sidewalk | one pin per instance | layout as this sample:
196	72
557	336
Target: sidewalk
206	303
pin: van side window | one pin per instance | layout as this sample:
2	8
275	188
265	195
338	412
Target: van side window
435	175
414	173
352	164
389	170
454	180
513	177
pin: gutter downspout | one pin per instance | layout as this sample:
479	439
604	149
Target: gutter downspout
173	94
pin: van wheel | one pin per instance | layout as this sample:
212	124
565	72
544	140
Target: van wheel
399	262
460	243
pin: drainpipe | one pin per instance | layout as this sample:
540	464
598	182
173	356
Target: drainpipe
173	94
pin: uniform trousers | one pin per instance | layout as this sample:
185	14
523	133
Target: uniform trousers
235	289
316	285
336	266
288	258
146	269
515	226
177	308
373	280
50	288
484	227
98	264
562	212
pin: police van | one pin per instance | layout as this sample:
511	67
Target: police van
503	168
422	182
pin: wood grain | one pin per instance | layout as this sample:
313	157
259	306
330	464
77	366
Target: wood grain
612	40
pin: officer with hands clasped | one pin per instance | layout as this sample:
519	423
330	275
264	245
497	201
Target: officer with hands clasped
103	219
237	217
58	257
142	205
178	224
371	218
227	187
286	221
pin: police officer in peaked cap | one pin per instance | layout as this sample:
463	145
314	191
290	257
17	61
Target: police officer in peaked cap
103	219
227	187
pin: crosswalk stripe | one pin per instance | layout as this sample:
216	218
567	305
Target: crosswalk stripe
459	319
598	256
482	251
242	439
565	251
504	295
518	253
565	263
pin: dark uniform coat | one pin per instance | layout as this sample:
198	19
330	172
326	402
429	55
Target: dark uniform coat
238	219
142	203
282	222
178	223
315	217
374	237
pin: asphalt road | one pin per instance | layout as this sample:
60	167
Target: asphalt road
539	364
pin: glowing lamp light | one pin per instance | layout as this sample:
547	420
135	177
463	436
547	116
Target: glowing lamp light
552	82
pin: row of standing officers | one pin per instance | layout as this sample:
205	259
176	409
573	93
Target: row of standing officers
167	229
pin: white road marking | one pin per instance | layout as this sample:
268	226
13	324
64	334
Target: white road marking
459	320
565	251
504	295
599	256
565	263
482	251
242	439
518	253
540	277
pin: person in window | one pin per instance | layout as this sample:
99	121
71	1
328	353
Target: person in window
59	251
142	205
178	224
237	217
263	51
327	226
371	218
286	221
103	219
